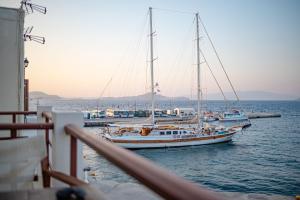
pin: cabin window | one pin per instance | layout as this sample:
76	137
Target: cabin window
161	133
175	132
169	132
184	131
180	132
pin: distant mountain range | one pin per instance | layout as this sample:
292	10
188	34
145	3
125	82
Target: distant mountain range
145	97
243	95
42	95
252	95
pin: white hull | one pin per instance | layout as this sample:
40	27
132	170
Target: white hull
143	142
209	120
233	119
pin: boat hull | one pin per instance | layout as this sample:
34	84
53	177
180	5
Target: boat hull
176	142
233	119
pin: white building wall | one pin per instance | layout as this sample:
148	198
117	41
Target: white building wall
11	60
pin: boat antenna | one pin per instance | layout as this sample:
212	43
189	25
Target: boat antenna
151	64
198	72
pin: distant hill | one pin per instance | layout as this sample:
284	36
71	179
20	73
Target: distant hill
145	97
42	95
252	95
243	95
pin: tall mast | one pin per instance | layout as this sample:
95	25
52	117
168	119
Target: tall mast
198	72
151	64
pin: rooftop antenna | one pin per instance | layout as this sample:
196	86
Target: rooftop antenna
28	37
29	7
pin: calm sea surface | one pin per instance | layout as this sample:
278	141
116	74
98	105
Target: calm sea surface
265	158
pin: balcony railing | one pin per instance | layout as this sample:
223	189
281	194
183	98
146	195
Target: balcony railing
13	114
159	180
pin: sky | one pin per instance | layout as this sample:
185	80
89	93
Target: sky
100	48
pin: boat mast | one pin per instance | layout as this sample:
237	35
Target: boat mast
198	72
151	64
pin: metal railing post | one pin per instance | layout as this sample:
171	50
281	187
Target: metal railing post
73	157
13	133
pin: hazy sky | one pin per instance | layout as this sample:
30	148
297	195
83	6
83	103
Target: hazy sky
93	43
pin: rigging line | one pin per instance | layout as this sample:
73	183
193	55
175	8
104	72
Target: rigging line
213	46
213	75
192	82
124	54
105	87
135	48
156	50
175	11
147	66
178	58
137	56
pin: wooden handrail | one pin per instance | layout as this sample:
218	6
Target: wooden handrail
65	178
18	113
13	132
22	126
10	138
47	173
161	181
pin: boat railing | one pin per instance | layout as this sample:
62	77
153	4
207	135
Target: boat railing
159	180
14	114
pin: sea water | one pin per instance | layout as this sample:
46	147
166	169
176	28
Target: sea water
265	158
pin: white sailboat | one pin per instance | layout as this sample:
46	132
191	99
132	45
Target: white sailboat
158	136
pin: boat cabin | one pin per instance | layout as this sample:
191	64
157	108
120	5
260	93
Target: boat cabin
173	132
233	114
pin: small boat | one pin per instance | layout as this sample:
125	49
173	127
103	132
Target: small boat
233	115
158	136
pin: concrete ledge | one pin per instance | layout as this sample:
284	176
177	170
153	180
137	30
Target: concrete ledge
129	191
